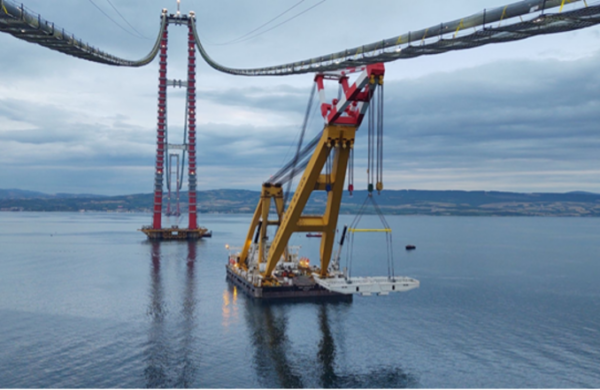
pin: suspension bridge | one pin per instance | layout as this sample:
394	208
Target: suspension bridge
256	267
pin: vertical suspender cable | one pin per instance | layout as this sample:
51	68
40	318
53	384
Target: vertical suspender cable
380	136
185	130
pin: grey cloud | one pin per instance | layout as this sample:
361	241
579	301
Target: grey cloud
522	109
479	126
280	98
445	121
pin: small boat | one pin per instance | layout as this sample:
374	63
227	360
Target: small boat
207	234
410	247
314	235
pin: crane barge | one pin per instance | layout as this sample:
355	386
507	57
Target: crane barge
271	269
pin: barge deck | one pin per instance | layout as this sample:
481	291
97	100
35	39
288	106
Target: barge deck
301	288
174	233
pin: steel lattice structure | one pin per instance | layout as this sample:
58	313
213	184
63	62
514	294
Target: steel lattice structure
24	24
513	22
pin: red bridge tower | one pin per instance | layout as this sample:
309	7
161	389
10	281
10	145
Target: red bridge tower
156	231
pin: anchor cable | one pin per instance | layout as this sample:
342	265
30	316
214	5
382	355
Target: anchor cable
259	27
126	21
114	21
280	24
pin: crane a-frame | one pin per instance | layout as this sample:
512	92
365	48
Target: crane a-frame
342	119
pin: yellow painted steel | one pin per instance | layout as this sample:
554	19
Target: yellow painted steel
460	25
335	139
563	4
424	36
503	15
261	214
351	230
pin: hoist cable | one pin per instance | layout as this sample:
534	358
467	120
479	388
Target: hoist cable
370	143
303	154
286	178
389	243
328	170
379	173
390	255
351	170
300	141
355	221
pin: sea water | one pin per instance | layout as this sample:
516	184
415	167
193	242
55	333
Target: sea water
86	301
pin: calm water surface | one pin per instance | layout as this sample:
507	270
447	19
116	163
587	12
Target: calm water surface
85	301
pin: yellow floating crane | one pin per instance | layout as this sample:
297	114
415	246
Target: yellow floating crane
273	270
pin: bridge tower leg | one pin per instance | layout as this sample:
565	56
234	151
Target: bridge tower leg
191	97
160	131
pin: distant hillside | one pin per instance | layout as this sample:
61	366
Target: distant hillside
400	202
24	194
21	194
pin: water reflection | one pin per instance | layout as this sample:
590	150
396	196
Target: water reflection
326	354
230	307
271	346
277	364
188	370
168	365
157	352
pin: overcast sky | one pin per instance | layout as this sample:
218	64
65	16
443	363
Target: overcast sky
521	116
